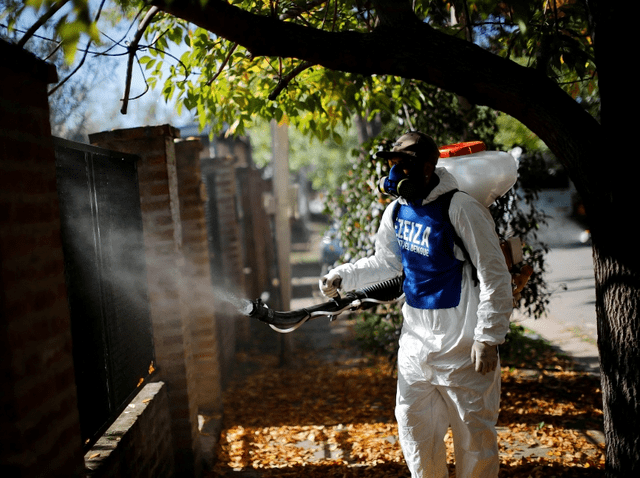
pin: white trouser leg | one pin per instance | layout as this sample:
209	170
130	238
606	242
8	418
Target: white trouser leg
423	422
473	414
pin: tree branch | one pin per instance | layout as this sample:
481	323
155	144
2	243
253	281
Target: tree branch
467	22
84	56
395	13
417	52
75	70
224	63
300	9
412	50
133	47
285	80
41	21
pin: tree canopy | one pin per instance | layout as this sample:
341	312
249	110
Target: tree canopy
317	63
312	63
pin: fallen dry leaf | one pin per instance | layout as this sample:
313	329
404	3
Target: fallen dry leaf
335	419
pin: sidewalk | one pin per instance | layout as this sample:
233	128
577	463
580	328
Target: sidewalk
570	324
330	412
320	335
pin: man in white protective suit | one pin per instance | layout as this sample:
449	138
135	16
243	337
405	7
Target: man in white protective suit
455	314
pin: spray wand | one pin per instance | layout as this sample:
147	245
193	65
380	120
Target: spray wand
385	292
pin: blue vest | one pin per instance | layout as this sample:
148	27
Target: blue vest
433	275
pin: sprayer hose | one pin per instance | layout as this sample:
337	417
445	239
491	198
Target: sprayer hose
388	289
362	304
382	293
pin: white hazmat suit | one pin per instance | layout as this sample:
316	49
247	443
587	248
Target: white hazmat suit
438	385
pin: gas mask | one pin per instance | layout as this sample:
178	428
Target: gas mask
398	184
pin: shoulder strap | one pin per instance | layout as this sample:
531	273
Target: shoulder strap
446	201
396	208
444	198
457	239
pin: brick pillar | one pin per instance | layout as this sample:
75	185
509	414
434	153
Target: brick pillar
227	273
230	229
259	242
200	299
39	423
162	229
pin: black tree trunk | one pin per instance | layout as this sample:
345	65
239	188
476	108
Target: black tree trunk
617	304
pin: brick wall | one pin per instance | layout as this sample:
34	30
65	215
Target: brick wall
258	238
236	147
199	299
227	256
39	423
160	204
138	444
230	232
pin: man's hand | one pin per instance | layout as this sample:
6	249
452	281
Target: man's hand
330	284
484	356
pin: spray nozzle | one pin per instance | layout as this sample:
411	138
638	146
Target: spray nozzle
258	310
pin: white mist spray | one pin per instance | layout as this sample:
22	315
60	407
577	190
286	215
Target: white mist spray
241	304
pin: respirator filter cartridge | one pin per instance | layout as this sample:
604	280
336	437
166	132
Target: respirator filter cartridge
397	184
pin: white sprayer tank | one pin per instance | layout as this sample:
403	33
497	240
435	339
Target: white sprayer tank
485	175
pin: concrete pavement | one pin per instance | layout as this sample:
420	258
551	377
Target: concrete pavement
570	323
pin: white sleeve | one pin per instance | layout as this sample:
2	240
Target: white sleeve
475	226
385	264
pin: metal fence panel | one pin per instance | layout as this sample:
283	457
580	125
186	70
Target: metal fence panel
105	270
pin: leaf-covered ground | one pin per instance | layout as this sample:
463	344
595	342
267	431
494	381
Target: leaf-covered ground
333	416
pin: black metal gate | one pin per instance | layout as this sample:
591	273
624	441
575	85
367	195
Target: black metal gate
106	278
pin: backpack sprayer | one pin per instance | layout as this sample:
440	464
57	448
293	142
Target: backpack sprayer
499	172
386	292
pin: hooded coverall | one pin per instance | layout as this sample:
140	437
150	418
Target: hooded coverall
438	385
